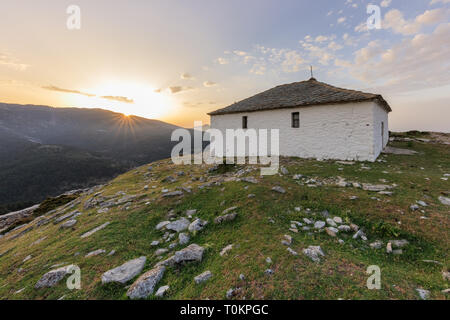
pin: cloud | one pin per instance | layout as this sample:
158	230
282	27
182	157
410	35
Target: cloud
385	3
394	20
159	90
334	46
178	89
240	53
439	1
54	88
414	63
321	39
118	98
186	76
209	84
341	19
11	62
221	60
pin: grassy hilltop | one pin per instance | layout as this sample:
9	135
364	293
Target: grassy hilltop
136	206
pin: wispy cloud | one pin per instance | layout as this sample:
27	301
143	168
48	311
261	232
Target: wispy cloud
11	62
58	89
209	83
118	98
395	20
178	89
186	76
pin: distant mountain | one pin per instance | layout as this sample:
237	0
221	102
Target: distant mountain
45	151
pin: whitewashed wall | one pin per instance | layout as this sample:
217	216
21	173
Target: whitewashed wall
343	131
380	116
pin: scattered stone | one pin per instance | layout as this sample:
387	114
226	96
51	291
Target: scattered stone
446	291
178	225
225	218
399	243
307	221
376	245
112	252
205	276
297	176
287	241
319	224
145	284
232	292
354	227
173	194
269	272
375	187
314	253
341	241
278	189
192	252
292	252
389	248
360	234
284	171
161	251
422	203
162	224
154	243
250	180
331	231
446	275
242	277
414	207
27	258
68	224
226	249
95	253
268	260
197	225
251	195
183	238
125	272
337	220
191	212
344	228
162	291
444	200
89	233
51	278
423	294
331	222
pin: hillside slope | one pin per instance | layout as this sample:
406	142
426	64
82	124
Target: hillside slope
134	204
39	143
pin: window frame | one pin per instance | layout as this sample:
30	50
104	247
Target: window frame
244	122
295	120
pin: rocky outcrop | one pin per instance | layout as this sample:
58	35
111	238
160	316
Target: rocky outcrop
125	272
145	284
13	218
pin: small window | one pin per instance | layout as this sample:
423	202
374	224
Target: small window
244	122
295	120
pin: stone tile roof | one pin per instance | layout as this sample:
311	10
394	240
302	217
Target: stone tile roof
305	93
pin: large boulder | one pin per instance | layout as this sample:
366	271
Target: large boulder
145	284
52	278
125	272
178	225
192	252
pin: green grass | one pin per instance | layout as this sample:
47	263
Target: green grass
341	274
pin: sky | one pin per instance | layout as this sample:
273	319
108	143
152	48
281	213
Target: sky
176	60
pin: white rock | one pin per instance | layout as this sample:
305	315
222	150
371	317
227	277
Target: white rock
444	200
314	253
95	253
337	219
162	291
424	294
178	225
192	252
203	277
89	233
125	272
145	284
331	222
197	225
319	224
51	278
183	238
226	249
162	224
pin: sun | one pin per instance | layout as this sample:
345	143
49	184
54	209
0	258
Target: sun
128	98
